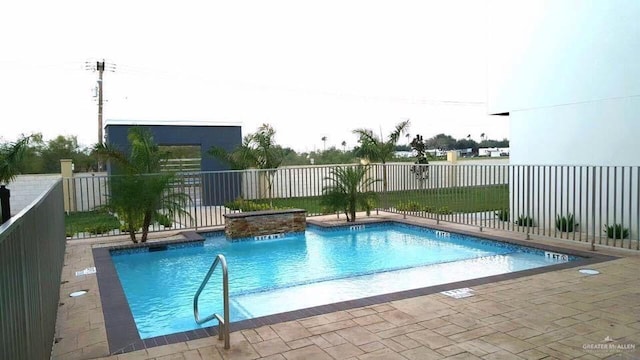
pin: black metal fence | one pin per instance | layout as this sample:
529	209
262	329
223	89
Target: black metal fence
598	204
32	246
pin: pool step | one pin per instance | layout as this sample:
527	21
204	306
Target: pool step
327	292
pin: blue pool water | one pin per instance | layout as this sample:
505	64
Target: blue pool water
304	270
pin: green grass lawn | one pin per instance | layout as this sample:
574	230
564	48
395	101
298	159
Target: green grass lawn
460	199
94	222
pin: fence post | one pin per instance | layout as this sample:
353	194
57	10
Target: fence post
68	190
5	194
452	159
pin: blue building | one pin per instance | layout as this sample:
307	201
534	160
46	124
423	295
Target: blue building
215	187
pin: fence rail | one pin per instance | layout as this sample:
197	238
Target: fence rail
32	245
598	204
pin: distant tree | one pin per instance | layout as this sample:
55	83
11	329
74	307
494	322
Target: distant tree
334	156
65	147
494	143
344	146
376	149
44	156
441	141
324	143
290	157
140	194
348	191
33	163
482	137
466	144
503	143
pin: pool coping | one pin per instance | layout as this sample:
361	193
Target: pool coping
122	333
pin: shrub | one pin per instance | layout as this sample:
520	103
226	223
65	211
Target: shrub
416	206
164	220
566	224
99	228
410	206
524	221
616	231
246	205
503	214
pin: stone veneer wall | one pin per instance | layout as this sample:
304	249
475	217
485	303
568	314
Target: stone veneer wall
257	223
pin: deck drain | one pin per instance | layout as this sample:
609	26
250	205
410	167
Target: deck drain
87	271
589	271
459	293
78	293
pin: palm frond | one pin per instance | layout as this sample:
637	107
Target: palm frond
109	153
400	129
10	158
258	150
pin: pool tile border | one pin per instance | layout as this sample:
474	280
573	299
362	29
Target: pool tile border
122	333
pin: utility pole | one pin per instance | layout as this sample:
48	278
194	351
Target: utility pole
100	67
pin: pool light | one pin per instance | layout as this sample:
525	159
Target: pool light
78	293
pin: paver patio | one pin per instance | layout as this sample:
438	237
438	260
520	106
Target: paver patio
555	315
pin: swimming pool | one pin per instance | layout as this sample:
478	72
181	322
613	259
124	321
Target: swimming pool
305	270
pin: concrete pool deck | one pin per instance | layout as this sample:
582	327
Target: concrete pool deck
559	314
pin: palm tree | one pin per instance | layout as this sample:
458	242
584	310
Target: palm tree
324	143
11	156
348	191
376	149
257	151
344	146
140	193
482	137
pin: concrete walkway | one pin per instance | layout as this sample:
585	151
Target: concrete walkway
556	315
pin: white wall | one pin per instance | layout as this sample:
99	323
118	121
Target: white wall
550	52
599	133
568	74
26	188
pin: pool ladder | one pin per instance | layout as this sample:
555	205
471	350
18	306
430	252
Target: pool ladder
223	323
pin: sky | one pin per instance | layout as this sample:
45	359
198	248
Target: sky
308	68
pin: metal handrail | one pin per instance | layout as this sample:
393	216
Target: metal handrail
223	324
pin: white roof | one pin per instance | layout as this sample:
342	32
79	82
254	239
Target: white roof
170	122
